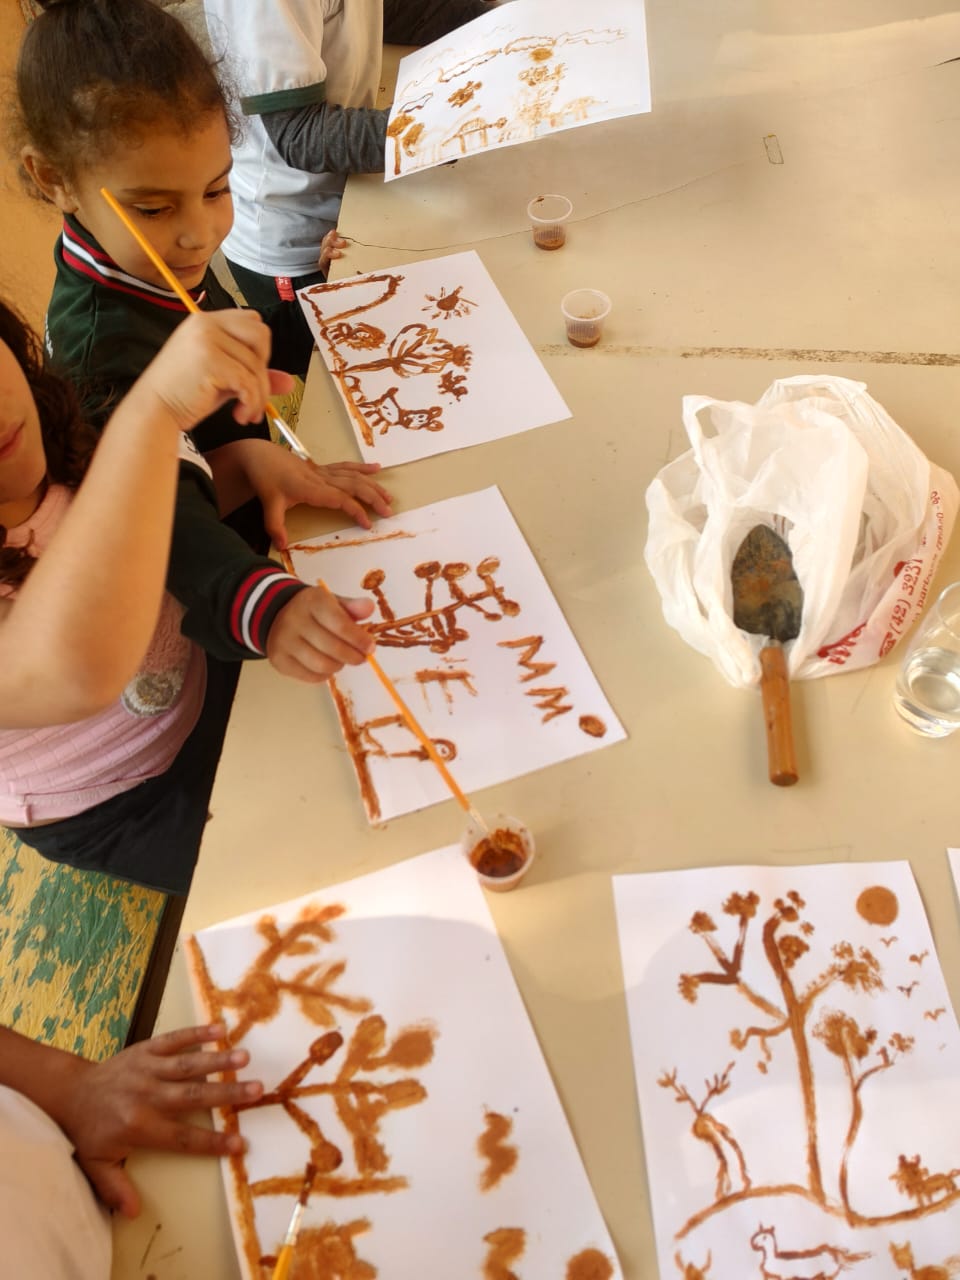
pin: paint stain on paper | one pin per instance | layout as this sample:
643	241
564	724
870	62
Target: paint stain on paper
593	726
506	1246
878	905
591	1264
499	1155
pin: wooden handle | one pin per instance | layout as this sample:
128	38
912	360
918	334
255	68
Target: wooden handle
775	691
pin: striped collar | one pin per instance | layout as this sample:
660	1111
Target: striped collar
82	254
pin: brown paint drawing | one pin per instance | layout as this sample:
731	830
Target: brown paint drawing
933	1014
908	989
365	1074
363	743
788	1026
914	1180
593	726
499	1156
448	304
549	699
707	1128
436	626
415	350
315	548
590	1264
919	959
902	1255
446	680
689	1270
506	1246
460	97
829	1259
328	1253
534	110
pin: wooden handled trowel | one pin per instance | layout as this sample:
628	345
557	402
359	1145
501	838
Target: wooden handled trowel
768	601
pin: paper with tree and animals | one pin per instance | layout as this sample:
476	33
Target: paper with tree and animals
396	1055
797	1063
470	633
521	72
428	358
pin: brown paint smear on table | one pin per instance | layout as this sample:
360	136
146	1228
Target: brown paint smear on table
506	1246
591	1264
500	1156
500	854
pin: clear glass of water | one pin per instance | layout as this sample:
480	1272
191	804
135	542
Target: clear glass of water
927	695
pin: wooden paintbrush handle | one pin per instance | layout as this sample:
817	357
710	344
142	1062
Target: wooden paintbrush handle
775	691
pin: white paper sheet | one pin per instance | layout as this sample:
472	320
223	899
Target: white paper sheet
422	1050
471	635
428	358
520	72
797	1063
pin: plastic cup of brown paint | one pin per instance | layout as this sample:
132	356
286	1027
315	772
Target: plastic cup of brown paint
584	311
496	868
547	216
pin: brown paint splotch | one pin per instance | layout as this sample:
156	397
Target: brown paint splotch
590	1264
500	854
500	1156
329	1253
506	1246
878	905
593	726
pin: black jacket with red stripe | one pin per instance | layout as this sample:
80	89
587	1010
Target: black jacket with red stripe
103	329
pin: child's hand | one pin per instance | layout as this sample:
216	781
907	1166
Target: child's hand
314	635
281	481
139	1098
210	358
331	246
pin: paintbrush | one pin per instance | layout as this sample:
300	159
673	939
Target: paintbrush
292	439
285	1256
411	721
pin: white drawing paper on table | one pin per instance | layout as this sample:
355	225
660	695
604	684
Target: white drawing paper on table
428	358
469	632
797	1063
396	1055
518	73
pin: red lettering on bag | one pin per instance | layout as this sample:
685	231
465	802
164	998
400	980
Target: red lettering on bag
840	650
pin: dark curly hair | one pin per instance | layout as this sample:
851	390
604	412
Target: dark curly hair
67	439
95	73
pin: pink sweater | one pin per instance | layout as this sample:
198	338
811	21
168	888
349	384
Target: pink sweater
61	770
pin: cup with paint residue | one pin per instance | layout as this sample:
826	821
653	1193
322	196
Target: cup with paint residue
501	856
548	215
584	311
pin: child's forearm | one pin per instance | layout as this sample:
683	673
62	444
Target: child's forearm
84	616
40	1072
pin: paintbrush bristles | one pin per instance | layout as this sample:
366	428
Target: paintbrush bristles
308	1178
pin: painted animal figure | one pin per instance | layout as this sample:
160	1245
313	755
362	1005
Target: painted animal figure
916	1181
386	412
691	1272
902	1255
822	1263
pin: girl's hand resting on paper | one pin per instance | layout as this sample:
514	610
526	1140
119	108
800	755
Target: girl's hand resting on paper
316	633
211	358
331	246
139	1099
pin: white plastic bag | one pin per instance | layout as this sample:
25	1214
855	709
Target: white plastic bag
865	514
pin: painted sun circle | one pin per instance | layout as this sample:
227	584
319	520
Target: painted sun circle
878	905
